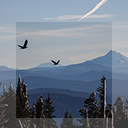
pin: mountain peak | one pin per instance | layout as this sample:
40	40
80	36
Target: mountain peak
111	52
112	59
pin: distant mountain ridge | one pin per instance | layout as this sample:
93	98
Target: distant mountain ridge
4	68
111	59
47	64
81	77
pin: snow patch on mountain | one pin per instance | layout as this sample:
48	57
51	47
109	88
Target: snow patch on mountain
112	59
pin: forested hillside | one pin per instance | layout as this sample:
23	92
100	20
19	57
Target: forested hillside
15	110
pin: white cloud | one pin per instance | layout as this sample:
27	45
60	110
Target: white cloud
72	17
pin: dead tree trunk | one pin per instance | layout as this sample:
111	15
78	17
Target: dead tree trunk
104	102
112	119
87	125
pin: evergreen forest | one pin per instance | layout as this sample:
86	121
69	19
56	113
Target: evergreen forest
15	111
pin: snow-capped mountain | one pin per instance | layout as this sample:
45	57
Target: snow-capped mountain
112	58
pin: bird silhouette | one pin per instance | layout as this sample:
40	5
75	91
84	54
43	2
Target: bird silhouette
55	63
25	44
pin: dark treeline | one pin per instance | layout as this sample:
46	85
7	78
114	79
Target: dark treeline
15	110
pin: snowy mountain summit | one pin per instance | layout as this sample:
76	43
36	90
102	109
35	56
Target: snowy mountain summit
112	58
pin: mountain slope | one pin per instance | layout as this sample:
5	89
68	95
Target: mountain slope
112	59
34	82
47	64
5	68
13	74
59	91
86	71
96	74
69	72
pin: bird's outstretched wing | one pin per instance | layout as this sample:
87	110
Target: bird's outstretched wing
58	61
53	61
25	43
20	46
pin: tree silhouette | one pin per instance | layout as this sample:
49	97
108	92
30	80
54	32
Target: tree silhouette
91	104
67	121
102	94
48	112
22	104
3	107
38	112
10	112
33	116
120	119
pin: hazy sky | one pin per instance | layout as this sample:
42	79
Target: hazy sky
59	11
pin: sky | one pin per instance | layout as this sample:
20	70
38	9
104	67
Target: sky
38	12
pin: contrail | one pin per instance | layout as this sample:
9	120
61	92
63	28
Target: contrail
94	9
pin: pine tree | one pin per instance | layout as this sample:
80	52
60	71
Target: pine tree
40	117
84	120
91	104
126	108
102	94
109	116
120	120
67	121
11	109
3	107
23	107
33	116
48	112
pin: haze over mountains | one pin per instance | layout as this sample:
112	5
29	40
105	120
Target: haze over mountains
86	71
75	82
82	77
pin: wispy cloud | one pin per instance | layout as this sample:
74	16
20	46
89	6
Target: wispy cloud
72	17
8	29
76	32
10	32
94	9
64	17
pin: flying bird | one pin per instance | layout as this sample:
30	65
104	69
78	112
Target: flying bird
55	63
25	44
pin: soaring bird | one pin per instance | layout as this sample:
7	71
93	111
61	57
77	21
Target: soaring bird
25	44
55	63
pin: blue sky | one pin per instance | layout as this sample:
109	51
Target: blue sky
60	11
